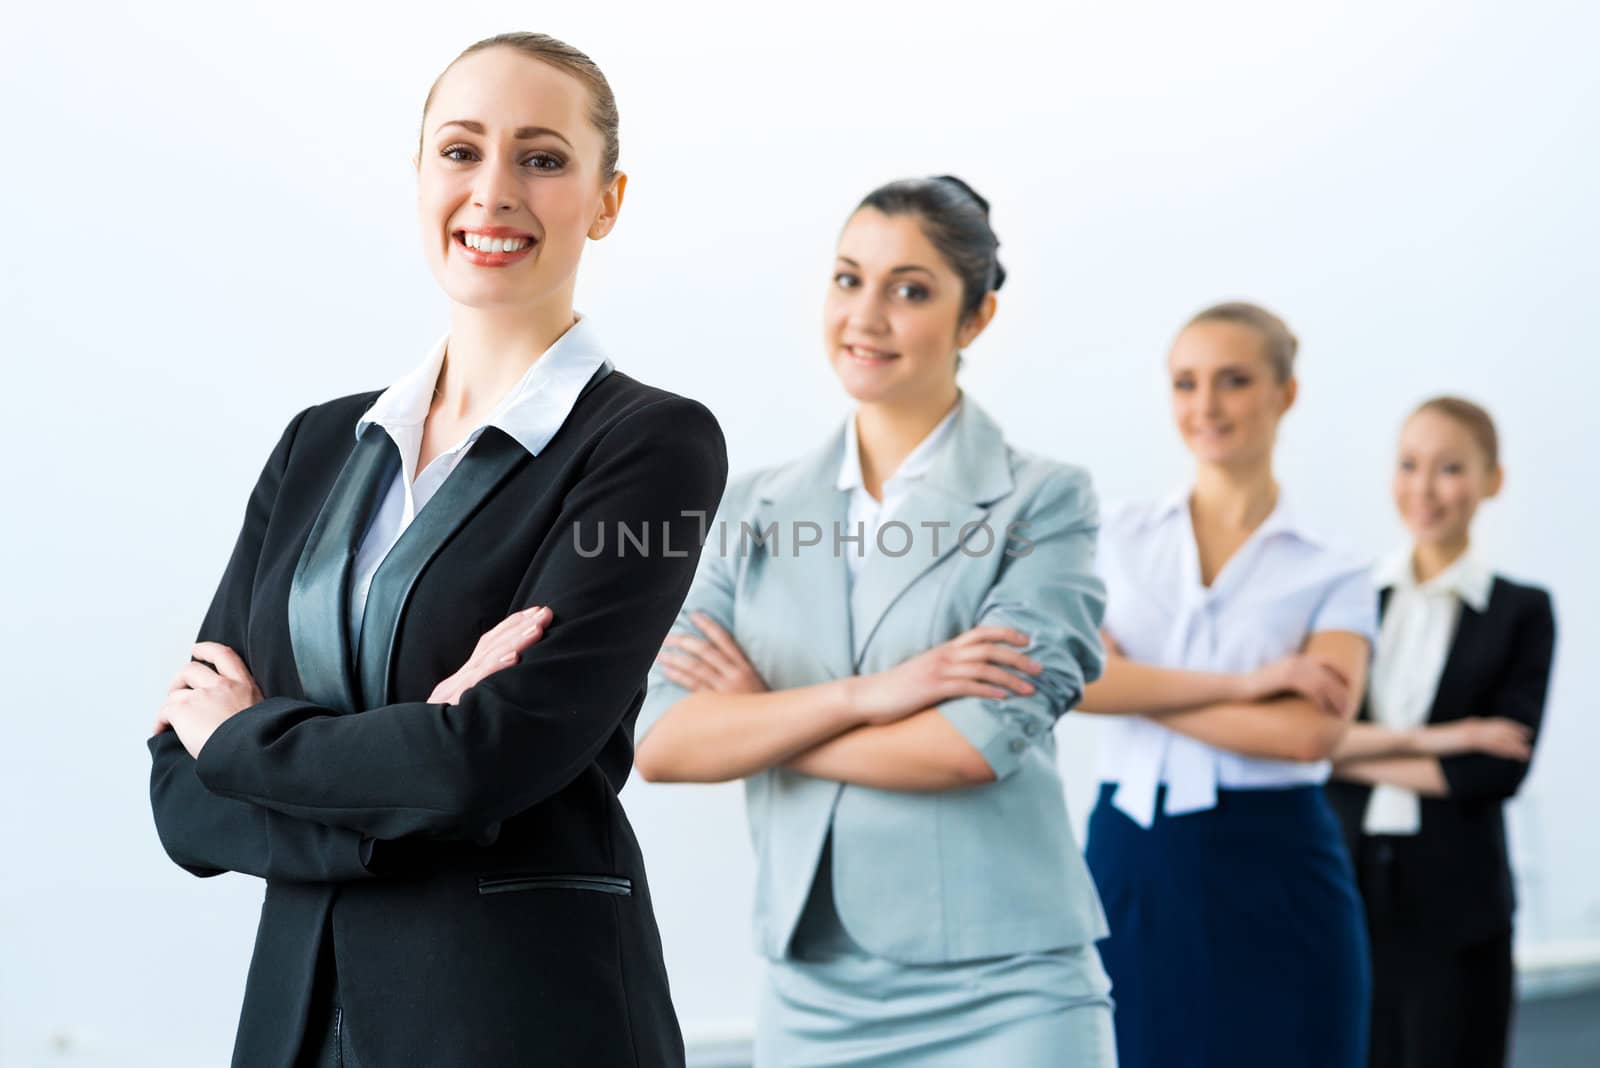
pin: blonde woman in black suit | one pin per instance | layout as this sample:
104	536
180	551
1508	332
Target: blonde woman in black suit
1443	741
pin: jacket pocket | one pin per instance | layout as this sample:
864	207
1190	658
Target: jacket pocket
619	885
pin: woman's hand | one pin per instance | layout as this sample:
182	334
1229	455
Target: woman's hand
498	648
713	663
1493	735
967	665
201	698
1312	677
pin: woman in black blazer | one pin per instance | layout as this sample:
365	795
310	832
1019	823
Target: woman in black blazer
450	877
1443	740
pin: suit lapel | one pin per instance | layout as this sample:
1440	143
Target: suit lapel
928	513
1450	696
319	594
488	463
812	583
969	472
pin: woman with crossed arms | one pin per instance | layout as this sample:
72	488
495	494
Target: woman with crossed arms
1443	741
889	700
1239	642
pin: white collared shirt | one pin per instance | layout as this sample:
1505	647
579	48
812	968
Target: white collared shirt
531	412
1279	587
1419	624
867	514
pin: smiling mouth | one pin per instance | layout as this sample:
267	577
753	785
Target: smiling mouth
870	354
490	246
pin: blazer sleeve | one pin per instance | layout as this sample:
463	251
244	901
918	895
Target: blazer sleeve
712	593
439	770
204	833
1050	591
1520	696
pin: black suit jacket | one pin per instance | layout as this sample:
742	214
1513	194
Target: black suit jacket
1451	883
484	891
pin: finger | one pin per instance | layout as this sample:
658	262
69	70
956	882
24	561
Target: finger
515	640
1001	654
517	622
228	663
690	667
992	633
719	637
682	678
997	675
958	687
709	654
196	677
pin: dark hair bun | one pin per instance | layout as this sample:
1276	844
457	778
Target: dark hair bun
955	218
967	189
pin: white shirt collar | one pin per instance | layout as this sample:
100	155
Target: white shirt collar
531	411
1467	578
1281	520
916	463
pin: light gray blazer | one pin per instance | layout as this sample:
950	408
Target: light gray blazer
918	877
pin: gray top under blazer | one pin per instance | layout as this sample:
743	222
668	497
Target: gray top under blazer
917	877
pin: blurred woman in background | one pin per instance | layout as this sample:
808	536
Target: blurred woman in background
1444	739
1238	642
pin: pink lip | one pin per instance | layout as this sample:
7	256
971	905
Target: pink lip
493	259
869	351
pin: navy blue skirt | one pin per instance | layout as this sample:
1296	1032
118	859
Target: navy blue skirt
1237	934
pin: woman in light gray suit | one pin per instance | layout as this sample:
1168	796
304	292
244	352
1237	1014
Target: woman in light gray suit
880	637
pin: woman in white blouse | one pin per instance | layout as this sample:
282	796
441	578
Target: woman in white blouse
1458	688
1238	643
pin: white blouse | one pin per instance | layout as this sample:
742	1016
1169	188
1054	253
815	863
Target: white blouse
1282	585
531	412
867	514
1419	624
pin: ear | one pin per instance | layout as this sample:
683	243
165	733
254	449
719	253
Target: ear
1497	481
610	207
1291	390
416	163
975	323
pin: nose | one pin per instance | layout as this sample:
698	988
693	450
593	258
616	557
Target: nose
866	315
495	191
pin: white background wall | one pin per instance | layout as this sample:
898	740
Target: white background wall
210	225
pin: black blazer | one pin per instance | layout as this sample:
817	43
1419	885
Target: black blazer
1451	883
484	891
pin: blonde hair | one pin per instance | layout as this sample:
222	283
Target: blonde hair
1472	418
1281	345
558	54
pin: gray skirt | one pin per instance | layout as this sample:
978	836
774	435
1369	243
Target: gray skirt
830	1002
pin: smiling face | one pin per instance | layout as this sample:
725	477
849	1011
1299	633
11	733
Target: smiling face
1226	400
509	183
891	319
1441	476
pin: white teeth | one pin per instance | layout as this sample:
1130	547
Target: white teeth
494	244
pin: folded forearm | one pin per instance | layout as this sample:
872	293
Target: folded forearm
921	752
1366	740
206	834
1128	687
715	737
1421	774
1286	728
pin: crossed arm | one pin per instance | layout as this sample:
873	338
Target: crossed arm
1296	709
428	769
957	715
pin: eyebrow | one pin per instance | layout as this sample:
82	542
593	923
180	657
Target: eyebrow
892	270
523	132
